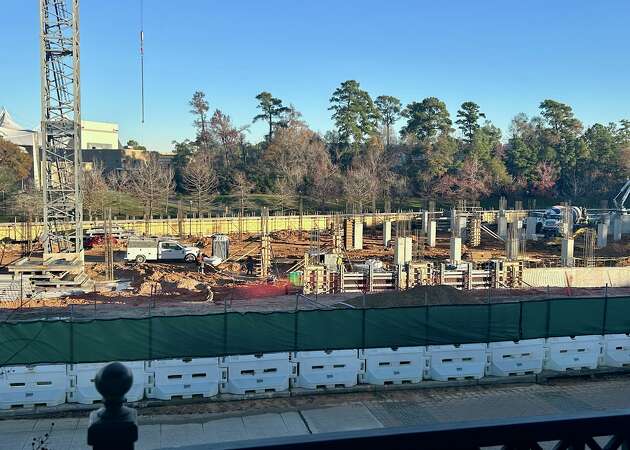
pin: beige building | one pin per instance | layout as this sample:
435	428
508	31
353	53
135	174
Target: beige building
114	159
99	141
99	135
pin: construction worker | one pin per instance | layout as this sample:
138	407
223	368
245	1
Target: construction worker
200	262
249	264
339	262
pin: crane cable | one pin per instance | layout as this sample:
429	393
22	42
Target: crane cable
142	57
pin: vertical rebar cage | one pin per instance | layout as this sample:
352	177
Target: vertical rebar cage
61	126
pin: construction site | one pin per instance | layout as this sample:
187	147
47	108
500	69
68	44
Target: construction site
252	260
483	253
236	307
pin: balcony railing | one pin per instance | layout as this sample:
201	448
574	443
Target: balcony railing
566	432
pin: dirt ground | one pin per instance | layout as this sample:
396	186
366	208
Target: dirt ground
145	306
179	288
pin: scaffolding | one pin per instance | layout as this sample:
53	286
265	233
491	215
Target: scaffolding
264	266
474	232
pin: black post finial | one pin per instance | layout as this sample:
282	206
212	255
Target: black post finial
113	426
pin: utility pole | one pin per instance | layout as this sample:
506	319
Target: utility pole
190	219
109	246
61	126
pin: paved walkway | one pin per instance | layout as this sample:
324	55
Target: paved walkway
318	414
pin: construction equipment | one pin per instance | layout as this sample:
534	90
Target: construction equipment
62	262
620	199
555	216
61	127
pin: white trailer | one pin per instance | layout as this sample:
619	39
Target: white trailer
150	249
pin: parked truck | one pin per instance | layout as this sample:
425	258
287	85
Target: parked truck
158	249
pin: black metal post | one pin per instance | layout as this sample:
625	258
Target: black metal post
605	315
114	426
520	320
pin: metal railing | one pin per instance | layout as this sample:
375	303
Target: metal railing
566	432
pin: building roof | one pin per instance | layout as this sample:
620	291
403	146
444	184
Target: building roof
6	121
12	131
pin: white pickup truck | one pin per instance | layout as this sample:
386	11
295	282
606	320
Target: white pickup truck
151	249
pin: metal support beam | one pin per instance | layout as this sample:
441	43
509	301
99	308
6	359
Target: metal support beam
61	126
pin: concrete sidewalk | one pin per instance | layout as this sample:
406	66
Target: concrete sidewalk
350	412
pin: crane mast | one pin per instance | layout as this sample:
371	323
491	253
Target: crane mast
61	127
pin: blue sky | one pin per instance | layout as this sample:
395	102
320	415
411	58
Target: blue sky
505	55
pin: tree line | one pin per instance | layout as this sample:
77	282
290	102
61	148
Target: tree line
378	149
364	160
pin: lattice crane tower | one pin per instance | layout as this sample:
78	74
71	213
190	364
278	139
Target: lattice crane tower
61	126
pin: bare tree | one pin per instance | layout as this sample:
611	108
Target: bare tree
299	160
470	182
547	176
285	190
117	181
200	178
327	185
7	182
241	187
227	135
95	191
370	175
28	203
359	184
150	183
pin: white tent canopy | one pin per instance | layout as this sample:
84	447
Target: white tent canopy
27	139
11	131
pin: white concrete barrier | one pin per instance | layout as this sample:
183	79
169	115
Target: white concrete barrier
511	358
28	386
616	350
81	388
256	374
572	353
327	369
53	384
577	277
398	365
456	362
183	378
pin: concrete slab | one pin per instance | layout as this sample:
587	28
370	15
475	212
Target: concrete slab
182	435
83	422
14	426
264	425
44	425
79	442
58	439
271	425
294	423
224	430
148	437
340	418
14	440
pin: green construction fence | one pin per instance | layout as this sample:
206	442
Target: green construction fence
98	340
